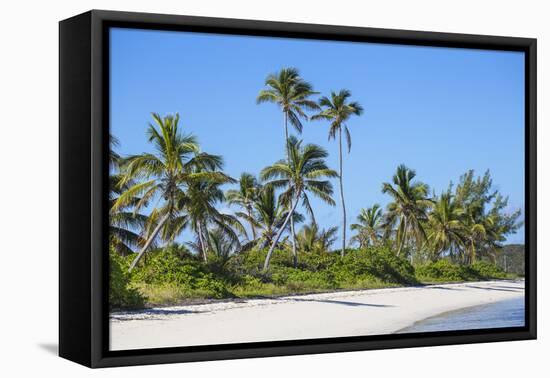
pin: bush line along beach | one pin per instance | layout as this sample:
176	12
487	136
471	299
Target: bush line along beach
271	243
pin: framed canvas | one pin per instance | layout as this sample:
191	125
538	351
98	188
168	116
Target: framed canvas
237	188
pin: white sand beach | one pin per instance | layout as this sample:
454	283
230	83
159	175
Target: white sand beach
351	313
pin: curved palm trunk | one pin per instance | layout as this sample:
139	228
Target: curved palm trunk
401	236
202	243
279	233
342	196
249	211
149	241
473	254
292	232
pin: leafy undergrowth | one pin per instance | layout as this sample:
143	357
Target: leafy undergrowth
445	271
172	275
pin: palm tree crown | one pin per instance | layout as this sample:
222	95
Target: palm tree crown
369	226
244	196
268	216
446	226
288	90
312	239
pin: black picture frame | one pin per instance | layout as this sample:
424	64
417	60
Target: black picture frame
83	166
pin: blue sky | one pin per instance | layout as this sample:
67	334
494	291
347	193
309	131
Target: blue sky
440	111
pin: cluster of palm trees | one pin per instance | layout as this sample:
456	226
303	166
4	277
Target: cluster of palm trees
185	183
462	223
181	187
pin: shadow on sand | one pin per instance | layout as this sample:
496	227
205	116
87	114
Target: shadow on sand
345	303
496	288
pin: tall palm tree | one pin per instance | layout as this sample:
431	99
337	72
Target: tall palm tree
446	230
160	174
369	226
291	93
409	209
337	110
244	197
312	239
303	173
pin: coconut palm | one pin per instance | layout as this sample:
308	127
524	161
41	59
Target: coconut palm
312	239
292	94
369	226
446	229
199	200
220	248
302	174
124	223
268	216
160	174
337	110
483	233
244	197
409	209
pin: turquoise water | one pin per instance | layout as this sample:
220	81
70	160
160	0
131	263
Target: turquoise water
507	313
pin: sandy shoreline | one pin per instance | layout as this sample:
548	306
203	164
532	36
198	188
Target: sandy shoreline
352	313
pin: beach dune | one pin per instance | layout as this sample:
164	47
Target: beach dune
351	313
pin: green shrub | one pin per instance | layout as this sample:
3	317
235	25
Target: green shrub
446	271
121	292
183	273
299	280
252	262
487	270
373	264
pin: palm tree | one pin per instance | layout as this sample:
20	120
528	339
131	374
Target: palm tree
268	216
303	173
312	239
338	110
244	197
160	174
292	93
369	226
199	202
123	221
220	246
446	226
409	208
482	233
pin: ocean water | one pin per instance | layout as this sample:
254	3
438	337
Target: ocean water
507	313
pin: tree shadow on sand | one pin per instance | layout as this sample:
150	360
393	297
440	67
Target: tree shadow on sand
345	303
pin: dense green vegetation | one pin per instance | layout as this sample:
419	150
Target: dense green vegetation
174	275
257	250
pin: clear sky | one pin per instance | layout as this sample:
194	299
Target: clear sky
440	111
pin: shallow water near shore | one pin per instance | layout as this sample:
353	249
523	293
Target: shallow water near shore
502	314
